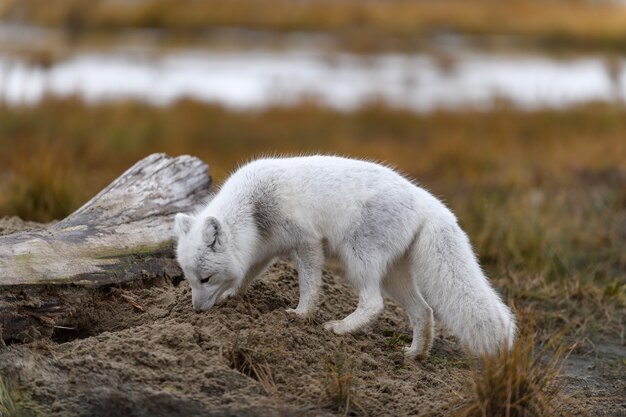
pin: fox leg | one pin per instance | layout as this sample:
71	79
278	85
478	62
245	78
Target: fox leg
309	260
377	236
370	306
400	286
365	277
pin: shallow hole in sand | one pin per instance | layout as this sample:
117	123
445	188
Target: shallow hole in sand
63	334
11	341
177	280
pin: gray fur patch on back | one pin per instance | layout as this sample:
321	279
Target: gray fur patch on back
264	215
268	218
265	211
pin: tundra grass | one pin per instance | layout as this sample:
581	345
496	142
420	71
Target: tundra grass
12	402
364	25
250	363
340	381
521	383
542	194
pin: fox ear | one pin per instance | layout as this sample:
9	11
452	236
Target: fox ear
182	224
212	233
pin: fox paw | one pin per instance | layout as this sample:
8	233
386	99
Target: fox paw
298	312
414	353
336	326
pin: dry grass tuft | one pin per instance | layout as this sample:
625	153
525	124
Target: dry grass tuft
520	383
340	384
11	402
249	362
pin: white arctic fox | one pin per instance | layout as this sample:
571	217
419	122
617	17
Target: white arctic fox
392	237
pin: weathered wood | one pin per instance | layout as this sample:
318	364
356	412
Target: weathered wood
123	234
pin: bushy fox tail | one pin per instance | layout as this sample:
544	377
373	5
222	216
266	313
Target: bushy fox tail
452	282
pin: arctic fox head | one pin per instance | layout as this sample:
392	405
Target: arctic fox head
203	254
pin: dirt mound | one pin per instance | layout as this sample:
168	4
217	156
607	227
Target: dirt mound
169	360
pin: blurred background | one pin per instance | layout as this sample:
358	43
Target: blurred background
513	112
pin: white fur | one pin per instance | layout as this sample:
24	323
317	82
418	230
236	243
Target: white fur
392	236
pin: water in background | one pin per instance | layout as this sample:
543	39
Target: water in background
262	77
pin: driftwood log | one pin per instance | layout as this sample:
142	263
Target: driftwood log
123	234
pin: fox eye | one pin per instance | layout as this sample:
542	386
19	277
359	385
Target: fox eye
205	280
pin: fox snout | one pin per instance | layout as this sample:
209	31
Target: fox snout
199	308
201	301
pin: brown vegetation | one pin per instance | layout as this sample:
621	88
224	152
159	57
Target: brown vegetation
524	382
360	24
249	362
12	402
341	388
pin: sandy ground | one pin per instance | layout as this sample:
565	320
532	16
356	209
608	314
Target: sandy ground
145	352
